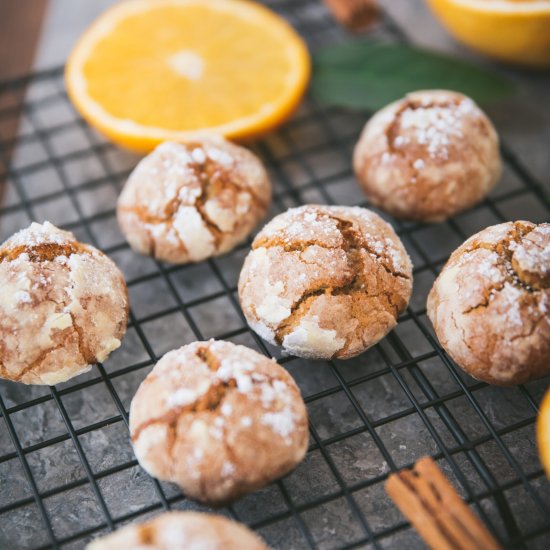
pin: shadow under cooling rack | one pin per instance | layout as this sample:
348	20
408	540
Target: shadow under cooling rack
67	470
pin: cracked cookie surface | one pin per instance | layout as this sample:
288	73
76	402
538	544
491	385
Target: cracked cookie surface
181	531
490	305
63	306
219	420
428	156
188	202
325	281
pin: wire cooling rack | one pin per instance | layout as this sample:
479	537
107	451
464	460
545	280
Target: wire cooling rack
67	471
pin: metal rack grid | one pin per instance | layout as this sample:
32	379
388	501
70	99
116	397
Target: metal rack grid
67	471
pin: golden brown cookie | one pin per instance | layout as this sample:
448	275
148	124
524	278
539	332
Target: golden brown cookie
63	306
181	531
490	305
188	202
428	156
325	281
218	419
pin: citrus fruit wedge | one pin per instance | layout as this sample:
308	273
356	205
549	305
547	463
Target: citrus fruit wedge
543	432
148	71
516	31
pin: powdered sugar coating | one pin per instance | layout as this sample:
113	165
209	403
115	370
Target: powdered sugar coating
181	531
325	281
187	202
489	305
533	257
63	306
219	420
37	234
428	156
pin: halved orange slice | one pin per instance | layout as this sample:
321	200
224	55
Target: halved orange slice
148	71
517	31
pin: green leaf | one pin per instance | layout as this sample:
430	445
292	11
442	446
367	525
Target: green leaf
369	75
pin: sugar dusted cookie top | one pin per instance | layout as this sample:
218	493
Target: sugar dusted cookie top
490	305
188	202
428	156
218	419
63	306
325	281
181	531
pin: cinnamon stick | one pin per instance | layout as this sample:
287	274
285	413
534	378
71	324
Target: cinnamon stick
355	15
429	501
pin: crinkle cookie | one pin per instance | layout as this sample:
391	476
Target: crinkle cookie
325	281
218	419
428	156
63	306
181	531
490	305
190	201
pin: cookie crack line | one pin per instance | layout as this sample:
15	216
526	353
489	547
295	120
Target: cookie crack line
146	217
303	245
44	252
358	243
31	366
531	331
502	249
208	174
492	290
213	364
208	401
223	178
294	246
209	358
149	219
356	284
84	350
287	324
211	400
201	172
